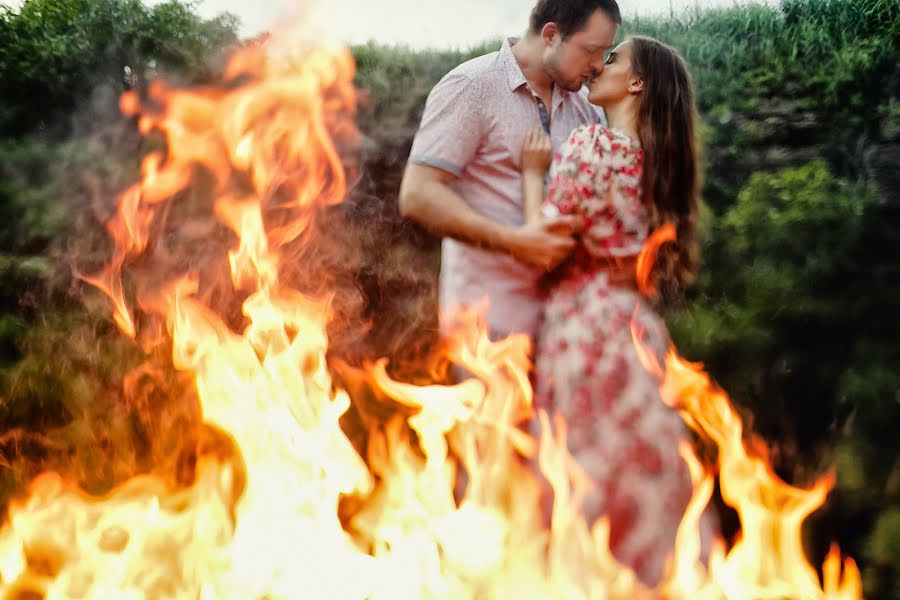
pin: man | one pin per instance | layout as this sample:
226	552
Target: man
463	179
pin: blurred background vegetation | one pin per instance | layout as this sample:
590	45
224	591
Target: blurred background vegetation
795	312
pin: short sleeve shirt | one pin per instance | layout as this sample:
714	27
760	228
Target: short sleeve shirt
474	126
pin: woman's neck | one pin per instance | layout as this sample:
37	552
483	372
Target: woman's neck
623	116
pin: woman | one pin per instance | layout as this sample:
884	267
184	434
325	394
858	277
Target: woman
624	181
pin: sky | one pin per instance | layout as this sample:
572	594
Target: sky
417	23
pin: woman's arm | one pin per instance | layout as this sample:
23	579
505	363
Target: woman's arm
537	153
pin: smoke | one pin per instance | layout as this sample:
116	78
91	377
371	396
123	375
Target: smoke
99	408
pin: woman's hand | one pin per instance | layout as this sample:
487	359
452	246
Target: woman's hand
537	151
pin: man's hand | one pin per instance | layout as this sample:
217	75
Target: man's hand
545	243
426	197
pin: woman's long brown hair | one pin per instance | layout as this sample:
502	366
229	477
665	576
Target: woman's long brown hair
666	120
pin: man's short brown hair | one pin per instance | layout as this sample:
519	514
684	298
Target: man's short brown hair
570	15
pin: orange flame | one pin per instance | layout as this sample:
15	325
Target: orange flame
647	258
265	523
768	560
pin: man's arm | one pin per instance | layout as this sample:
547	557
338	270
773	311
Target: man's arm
426	197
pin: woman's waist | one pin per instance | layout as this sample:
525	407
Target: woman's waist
615	271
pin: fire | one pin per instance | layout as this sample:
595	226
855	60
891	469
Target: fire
647	257
767	561
261	519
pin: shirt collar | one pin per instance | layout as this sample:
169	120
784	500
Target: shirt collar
559	96
514	74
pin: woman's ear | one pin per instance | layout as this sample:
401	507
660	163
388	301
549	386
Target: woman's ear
635	84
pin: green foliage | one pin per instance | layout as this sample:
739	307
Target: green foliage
828	52
885	542
29	195
33	217
762	303
772	211
395	82
881	552
61	362
57	52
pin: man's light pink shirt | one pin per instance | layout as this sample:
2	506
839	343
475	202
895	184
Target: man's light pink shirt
474	125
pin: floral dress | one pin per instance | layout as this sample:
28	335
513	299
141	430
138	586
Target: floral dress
586	367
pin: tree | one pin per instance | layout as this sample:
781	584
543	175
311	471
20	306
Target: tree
57	53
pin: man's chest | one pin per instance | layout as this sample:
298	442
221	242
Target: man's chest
509	122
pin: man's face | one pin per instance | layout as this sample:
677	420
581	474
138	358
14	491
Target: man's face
570	62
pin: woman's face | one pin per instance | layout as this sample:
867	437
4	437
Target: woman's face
617	79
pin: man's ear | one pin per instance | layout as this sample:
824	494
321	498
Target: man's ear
635	84
549	33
